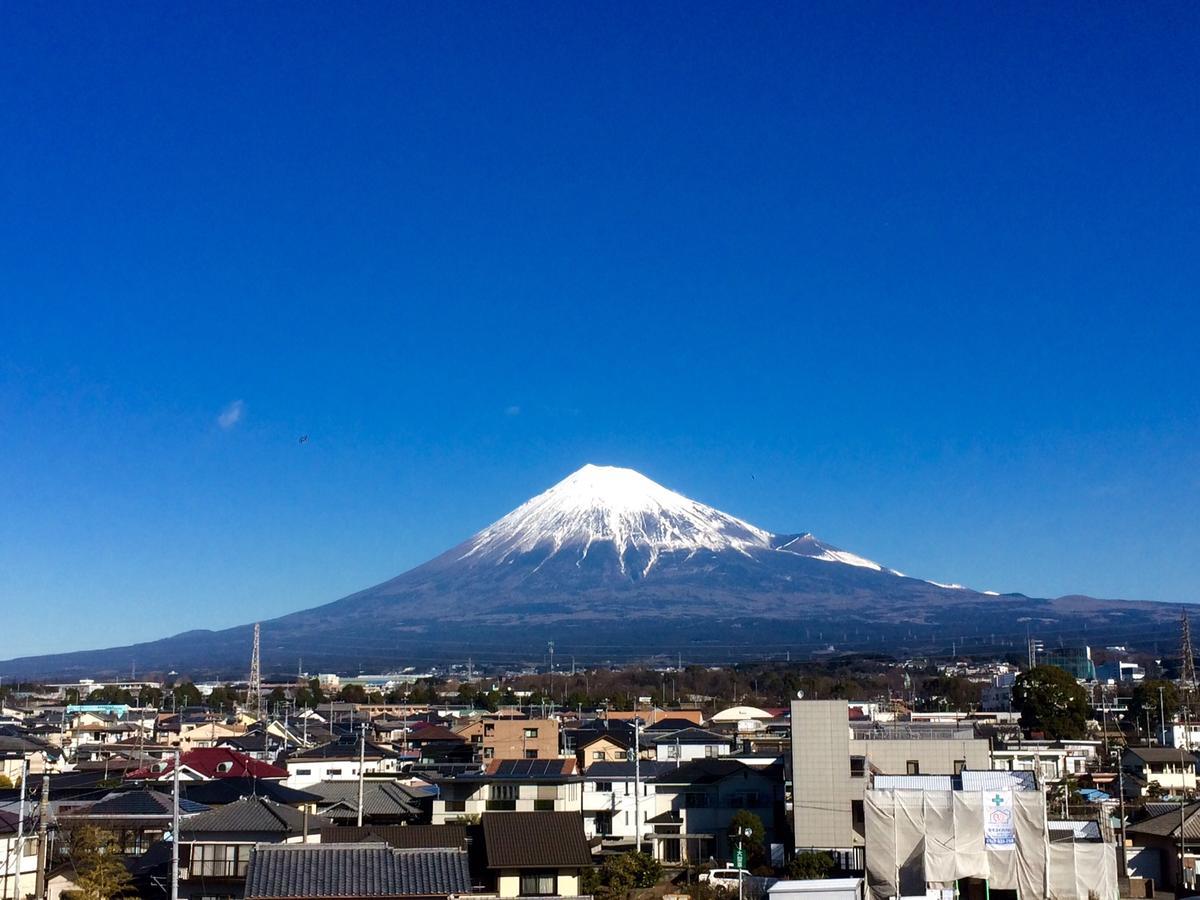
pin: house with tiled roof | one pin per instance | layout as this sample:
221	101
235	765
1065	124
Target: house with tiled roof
339	760
206	763
690	743
354	871
215	846
134	820
536	854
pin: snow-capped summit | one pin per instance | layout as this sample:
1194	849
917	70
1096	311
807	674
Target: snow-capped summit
621	507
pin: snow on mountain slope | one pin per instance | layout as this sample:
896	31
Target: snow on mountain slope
807	545
618	506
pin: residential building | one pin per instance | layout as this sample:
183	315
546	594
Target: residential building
133	819
501	737
18	864
1052	760
831	759
508	785
1151	771
536	854
694	804
610	799
689	744
339	761
207	763
215	846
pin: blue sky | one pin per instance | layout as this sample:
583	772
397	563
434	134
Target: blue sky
919	279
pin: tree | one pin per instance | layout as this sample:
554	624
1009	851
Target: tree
811	864
621	874
1052	702
99	872
743	820
187	694
353	693
5	782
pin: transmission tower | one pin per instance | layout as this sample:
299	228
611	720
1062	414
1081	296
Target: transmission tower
1187	661
254	693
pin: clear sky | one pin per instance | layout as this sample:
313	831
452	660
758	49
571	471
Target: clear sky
919	278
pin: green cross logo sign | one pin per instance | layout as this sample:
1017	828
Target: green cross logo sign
997	800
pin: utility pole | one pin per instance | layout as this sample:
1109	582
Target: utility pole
175	829
551	646
20	832
362	756
43	837
637	783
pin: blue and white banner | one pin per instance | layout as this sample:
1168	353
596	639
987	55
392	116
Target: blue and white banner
998	830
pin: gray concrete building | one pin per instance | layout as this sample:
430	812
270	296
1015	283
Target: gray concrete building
834	759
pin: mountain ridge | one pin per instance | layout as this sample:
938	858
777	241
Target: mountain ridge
612	565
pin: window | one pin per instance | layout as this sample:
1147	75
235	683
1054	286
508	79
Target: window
477	739
503	791
489	752
857	817
489	728
597	754
543	805
912	767
695	800
604	786
531	733
304	771
858	766
220	860
959	765
456	806
538	884
672	751
531	754
709	751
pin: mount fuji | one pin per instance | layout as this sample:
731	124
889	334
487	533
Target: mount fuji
613	566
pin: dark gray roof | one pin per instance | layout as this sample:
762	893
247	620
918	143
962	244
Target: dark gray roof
136	804
355	870
707	771
227	790
401	837
1167	824
380	798
535	840
691	735
1161	755
603	770
253	815
345	747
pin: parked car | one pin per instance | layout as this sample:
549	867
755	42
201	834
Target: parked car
753	886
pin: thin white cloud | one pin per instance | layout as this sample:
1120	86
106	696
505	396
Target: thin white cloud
512	410
231	415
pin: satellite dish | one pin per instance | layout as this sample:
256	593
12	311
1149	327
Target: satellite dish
799	695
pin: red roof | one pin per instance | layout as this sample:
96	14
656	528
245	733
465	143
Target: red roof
213	762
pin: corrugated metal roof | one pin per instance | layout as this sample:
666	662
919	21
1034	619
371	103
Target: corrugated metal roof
998	780
282	871
535	840
914	782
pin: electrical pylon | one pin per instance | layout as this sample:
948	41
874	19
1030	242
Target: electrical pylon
254	693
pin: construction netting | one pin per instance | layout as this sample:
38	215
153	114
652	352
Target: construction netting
917	840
